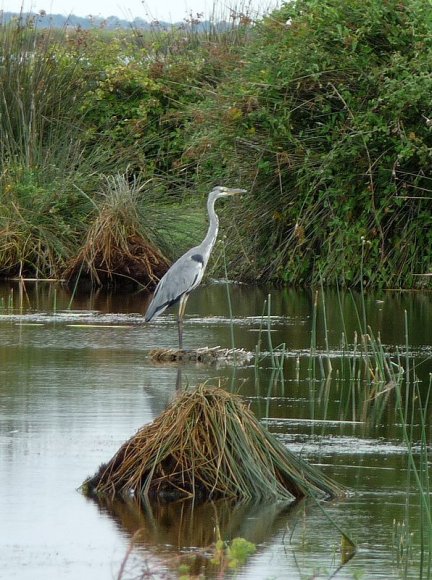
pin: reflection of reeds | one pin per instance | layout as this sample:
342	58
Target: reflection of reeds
413	408
206	445
7	304
363	372
376	386
182	524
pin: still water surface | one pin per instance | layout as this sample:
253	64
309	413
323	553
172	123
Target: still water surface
76	382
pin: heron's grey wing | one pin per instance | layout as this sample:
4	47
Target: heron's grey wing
183	276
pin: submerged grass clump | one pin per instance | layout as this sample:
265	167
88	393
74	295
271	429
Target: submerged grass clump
208	445
213	355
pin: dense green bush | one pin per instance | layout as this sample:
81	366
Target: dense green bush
327	120
142	87
322	110
78	106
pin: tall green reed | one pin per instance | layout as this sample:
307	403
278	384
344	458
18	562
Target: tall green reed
362	371
42	155
412	542
374	385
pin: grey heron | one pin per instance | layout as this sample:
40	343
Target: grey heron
187	272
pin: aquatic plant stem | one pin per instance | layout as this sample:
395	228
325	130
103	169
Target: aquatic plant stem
269	338
230	310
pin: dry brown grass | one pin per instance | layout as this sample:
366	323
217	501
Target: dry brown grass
208	444
105	258
119	244
206	355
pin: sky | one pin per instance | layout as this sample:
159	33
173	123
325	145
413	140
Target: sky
167	10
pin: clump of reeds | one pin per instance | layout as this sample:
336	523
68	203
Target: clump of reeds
207	444
41	150
120	242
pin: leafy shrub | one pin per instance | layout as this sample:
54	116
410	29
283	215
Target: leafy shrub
322	110
328	118
142	87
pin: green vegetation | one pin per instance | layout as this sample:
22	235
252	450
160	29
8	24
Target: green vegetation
40	155
228	558
232	555
81	108
321	110
375	385
328	119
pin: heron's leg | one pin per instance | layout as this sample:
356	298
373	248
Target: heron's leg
182	307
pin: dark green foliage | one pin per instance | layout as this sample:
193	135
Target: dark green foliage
142	86
76	107
328	119
321	110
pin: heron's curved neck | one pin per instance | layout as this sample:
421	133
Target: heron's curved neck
213	228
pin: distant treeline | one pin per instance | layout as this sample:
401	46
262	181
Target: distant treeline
43	20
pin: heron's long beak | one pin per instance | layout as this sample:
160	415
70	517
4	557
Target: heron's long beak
234	191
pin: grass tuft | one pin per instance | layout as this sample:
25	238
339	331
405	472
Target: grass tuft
122	241
208	445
